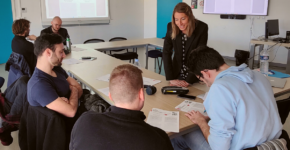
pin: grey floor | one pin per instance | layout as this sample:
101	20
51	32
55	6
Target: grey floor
14	145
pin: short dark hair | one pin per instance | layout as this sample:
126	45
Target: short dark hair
204	58
45	41
125	83
19	26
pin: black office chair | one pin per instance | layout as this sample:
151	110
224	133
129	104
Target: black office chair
157	53
94	41
125	56
117	39
2	80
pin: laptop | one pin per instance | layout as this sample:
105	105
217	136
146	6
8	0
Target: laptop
277	82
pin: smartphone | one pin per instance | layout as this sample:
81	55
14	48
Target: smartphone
83	58
186	96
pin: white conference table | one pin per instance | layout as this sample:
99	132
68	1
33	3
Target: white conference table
88	72
126	44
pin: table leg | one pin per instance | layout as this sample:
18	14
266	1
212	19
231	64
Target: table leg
288	63
146	67
252	57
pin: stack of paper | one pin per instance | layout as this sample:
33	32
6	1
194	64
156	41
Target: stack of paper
165	120
188	106
146	81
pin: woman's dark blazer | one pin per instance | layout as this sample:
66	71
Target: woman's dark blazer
173	66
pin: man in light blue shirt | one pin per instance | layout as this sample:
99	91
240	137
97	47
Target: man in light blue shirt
240	104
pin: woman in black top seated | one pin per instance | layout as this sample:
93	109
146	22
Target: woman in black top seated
184	34
20	45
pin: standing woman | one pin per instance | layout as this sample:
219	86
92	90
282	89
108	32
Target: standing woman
184	34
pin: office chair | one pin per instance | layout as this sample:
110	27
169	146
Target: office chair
156	54
125	56
2	80
117	39
94	41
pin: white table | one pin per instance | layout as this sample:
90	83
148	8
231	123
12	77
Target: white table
106	46
261	44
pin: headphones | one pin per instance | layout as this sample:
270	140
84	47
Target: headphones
150	90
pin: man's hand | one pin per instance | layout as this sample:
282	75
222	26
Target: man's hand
196	117
180	83
31	37
201	120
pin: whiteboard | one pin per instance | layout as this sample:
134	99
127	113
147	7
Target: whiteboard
74	12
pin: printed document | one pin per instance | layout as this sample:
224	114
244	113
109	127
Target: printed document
188	106
163	119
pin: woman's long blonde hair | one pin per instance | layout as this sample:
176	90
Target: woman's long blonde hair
183	8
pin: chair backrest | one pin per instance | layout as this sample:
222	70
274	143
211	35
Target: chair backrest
13	75
42	128
2	80
94	41
117	39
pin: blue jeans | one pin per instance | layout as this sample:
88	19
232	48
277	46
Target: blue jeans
193	140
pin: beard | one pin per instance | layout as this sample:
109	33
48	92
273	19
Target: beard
55	61
53	29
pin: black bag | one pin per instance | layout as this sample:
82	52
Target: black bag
241	57
96	103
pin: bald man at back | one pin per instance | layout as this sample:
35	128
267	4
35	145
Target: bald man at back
56	28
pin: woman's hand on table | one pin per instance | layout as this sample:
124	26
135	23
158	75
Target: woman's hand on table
180	83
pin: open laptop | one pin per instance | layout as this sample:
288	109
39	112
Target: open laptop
277	82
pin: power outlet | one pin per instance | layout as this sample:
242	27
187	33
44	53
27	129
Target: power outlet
24	10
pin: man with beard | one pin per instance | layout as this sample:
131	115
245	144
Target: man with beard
56	28
20	45
50	86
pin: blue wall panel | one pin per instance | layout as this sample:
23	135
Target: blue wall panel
164	13
5	30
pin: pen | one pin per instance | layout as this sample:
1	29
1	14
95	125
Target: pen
204	111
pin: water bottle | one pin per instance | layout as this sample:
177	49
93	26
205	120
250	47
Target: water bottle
68	44
136	63
264	62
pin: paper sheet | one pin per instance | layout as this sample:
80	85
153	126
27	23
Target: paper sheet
104	91
76	49
71	61
188	106
105	78
146	81
202	96
165	120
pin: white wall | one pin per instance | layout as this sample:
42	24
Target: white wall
226	35
150	18
127	20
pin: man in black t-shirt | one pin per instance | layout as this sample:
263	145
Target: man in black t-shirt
49	85
122	127
56	28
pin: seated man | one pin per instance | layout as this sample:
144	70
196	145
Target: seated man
20	45
123	126
240	104
49	85
56	28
